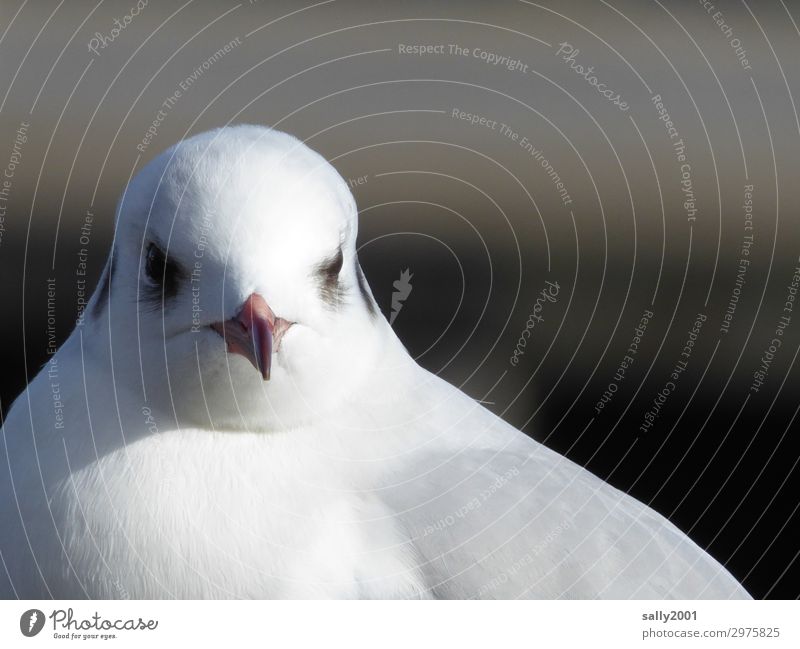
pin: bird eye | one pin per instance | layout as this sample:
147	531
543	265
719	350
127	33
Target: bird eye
327	274
164	274
332	269
155	264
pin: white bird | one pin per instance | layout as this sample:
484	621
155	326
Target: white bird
235	418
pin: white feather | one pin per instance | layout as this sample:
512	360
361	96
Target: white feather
353	472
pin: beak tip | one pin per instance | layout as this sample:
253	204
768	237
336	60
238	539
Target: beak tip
250	334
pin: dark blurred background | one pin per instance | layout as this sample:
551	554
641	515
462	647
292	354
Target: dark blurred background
644	220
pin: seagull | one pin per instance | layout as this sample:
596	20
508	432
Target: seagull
233	417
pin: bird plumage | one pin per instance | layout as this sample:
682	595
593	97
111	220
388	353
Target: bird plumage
353	472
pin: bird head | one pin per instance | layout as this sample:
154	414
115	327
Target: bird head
233	294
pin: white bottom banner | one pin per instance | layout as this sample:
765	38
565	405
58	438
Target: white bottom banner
400	624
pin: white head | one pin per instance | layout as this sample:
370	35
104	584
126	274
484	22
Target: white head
243	231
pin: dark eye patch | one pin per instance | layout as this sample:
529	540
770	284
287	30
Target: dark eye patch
164	275
362	287
327	276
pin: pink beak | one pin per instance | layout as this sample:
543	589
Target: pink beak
250	333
